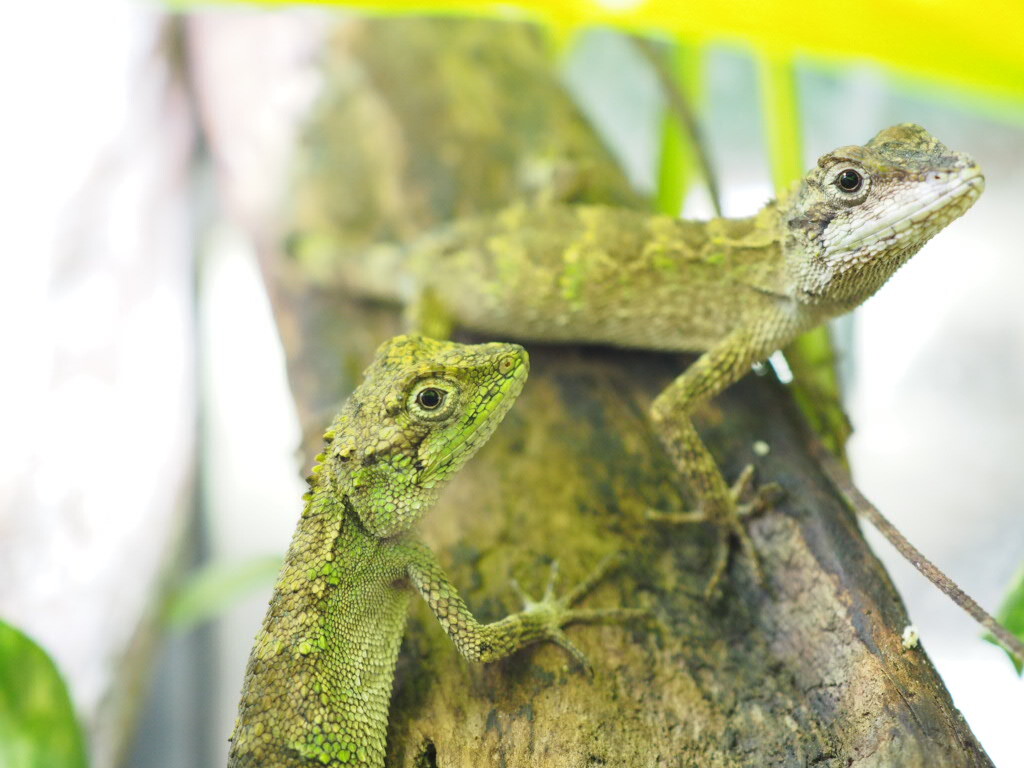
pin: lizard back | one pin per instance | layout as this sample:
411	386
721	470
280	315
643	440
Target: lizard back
597	274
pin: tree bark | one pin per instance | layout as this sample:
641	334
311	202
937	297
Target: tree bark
807	671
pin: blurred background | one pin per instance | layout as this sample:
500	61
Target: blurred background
146	425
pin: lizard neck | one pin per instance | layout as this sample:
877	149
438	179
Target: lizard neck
752	250
320	674
827	290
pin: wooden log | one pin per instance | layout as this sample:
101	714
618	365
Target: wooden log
808	671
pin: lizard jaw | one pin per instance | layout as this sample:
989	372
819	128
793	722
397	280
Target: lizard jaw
910	225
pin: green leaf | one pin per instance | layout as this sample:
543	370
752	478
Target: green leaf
674	169
781	110
815	386
678	163
38	728
212	589
1011	616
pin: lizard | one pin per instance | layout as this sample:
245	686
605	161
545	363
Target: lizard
733	290
318	681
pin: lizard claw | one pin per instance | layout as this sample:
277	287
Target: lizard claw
548	598
549	589
524	598
559	638
732	524
558	611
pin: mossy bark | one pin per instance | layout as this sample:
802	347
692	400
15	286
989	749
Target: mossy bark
808	670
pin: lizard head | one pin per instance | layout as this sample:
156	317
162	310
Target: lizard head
424	408
865	210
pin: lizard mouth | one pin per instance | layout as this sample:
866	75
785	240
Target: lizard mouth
930	214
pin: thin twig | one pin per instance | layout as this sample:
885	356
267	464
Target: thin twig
678	103
843	483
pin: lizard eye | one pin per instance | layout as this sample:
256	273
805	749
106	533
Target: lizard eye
506	364
430	398
433	399
849	180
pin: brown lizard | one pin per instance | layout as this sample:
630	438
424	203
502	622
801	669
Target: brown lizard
735	290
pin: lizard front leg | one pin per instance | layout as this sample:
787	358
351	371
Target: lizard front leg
540	620
718	502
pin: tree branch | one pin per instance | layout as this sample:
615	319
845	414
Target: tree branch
809	671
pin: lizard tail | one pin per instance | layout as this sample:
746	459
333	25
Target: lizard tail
379	273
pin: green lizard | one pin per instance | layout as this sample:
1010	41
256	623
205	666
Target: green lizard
318	683
735	290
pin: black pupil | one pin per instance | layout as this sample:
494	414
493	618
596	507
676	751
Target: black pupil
849	180
430	398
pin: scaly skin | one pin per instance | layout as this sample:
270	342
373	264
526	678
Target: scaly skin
318	683
734	289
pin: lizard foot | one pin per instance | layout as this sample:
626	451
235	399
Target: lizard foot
556	612
731	522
